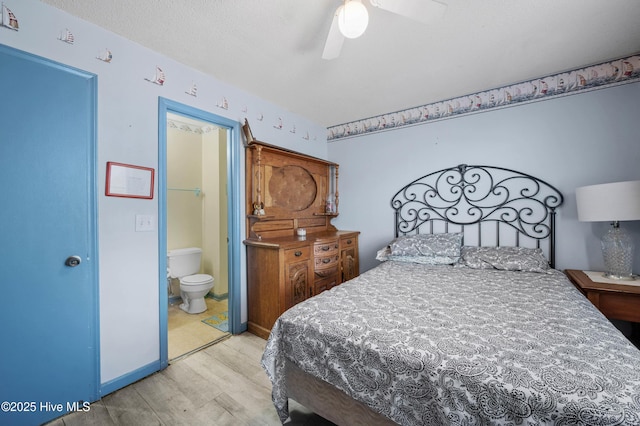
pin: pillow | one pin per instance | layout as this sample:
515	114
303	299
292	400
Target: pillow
428	249
383	255
448	245
505	258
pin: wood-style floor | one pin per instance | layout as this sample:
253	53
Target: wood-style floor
223	384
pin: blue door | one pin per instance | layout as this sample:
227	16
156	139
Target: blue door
48	265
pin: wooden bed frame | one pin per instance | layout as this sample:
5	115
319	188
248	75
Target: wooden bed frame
491	206
330	402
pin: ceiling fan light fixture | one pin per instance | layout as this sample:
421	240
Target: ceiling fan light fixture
353	19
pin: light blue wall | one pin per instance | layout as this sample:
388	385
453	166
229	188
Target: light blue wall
577	140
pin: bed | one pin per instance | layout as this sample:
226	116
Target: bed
464	322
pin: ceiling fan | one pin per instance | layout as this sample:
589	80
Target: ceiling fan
351	19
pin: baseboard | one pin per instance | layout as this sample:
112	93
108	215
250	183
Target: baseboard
218	297
129	378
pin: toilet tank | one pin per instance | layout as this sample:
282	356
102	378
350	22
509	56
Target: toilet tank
184	261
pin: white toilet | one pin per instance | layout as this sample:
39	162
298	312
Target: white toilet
184	264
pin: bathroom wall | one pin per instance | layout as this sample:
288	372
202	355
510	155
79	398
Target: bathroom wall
196	159
184	171
214	214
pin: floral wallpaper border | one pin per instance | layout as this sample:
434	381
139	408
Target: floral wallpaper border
606	74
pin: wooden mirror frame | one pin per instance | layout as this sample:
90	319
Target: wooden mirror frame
280	187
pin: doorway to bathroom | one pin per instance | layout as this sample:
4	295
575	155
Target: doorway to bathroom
197	203
197	218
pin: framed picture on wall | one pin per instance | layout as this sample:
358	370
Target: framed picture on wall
126	180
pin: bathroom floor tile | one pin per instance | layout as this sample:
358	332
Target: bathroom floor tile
187	332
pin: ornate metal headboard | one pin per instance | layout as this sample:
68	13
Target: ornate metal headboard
476	200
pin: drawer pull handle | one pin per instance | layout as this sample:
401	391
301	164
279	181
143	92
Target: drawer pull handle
325	248
298	253
327	260
348	241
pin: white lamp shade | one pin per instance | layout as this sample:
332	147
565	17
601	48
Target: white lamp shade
353	19
609	202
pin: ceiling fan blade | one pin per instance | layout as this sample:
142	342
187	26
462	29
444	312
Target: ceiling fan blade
424	11
335	39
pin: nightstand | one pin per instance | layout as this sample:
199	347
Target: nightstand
615	299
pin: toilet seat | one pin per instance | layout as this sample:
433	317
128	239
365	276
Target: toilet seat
193	289
197	279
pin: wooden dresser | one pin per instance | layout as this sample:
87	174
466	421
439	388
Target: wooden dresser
287	270
288	194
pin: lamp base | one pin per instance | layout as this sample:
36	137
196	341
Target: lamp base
619	277
617	250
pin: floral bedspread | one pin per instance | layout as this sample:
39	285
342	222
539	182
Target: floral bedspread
443	345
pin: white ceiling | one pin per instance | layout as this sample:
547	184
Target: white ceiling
273	48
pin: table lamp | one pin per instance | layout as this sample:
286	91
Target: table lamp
612	202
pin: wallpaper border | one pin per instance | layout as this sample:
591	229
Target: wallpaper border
607	74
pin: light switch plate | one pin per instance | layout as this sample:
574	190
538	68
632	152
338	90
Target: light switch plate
145	223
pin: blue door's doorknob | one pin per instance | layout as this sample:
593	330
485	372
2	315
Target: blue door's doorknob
73	261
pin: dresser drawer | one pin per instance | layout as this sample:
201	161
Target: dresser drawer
327	273
324	284
325	248
347	242
295	254
326	262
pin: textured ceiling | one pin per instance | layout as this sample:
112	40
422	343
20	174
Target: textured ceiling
273	48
